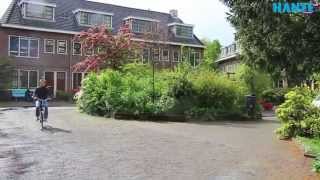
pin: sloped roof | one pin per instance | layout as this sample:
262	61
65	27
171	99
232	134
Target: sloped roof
65	20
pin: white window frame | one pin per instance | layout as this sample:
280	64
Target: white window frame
66	47
149	53
29	39
154	50
82	77
56	80
77	13
181	24
23	3
194	59
19	80
73	51
162	57
85	52
178	56
45	46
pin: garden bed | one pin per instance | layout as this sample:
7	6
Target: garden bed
310	146
151	117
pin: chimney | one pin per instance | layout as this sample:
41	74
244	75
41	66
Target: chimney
174	13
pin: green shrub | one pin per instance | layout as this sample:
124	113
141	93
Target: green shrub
205	94
287	130
316	165
127	91
311	126
256	81
297	105
200	93
65	96
298	116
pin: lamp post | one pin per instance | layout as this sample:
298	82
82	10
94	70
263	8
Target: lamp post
153	81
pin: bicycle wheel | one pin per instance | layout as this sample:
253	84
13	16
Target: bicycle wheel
41	119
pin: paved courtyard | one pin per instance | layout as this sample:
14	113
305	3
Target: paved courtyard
75	146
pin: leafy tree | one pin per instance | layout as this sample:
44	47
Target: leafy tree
256	81
277	42
109	50
5	73
212	51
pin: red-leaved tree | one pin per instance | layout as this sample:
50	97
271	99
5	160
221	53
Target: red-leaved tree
110	51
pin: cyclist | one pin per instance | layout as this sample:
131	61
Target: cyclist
42	93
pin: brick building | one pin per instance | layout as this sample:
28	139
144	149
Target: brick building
38	36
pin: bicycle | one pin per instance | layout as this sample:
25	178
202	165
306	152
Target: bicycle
42	110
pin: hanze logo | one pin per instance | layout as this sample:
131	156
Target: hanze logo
297	7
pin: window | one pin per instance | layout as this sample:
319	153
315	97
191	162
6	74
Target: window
92	19
194	58
33	79
156	54
61	81
14	45
184	31
15	79
146	55
165	55
143	26
26	79
89	52
176	56
76	48
49	46
39	11
23	47
62	47
76	80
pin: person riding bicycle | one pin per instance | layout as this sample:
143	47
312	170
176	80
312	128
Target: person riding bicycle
41	95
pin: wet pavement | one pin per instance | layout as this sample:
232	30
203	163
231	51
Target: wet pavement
75	146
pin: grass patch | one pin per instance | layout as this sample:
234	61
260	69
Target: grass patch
311	146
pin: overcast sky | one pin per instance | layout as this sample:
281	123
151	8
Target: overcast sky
208	16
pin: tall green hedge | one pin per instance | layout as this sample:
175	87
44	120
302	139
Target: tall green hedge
197	92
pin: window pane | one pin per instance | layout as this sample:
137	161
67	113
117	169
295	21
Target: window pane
142	26
84	18
62	47
94	19
14	45
184	31
176	56
49	46
39	11
145	55
15	79
61	81
156	54
24	47
23	79
165	55
33	79
77	78
76	48
34	48
192	59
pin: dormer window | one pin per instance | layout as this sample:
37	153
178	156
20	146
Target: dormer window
182	30
142	25
93	18
37	10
